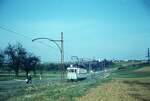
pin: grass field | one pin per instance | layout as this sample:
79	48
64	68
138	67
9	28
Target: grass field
22	75
129	84
47	90
50	91
132	84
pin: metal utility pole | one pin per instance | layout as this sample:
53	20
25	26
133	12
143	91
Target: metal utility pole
62	55
61	48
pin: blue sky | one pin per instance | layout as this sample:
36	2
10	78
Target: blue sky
92	28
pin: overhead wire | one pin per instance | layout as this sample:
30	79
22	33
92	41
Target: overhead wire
20	34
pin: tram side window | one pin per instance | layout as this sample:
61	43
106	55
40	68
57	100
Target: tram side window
72	70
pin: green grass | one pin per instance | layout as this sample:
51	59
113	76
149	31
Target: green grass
47	91
50	91
57	90
128	72
22	75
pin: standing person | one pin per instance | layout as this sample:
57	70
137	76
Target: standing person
29	79
40	76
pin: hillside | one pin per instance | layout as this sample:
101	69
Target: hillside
131	84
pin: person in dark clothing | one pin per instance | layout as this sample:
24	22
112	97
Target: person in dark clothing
29	79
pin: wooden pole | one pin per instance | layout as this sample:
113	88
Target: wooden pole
62	56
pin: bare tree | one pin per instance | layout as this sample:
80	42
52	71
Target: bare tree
30	62
19	58
15	54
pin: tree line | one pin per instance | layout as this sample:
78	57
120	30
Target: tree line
16	57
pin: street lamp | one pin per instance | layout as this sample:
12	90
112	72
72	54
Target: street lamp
61	48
